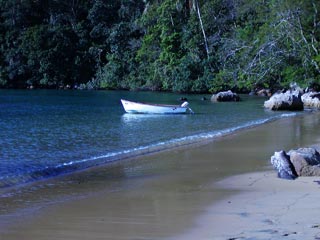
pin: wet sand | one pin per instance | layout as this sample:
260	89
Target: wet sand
159	196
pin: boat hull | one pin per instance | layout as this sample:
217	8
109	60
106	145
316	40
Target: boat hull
135	107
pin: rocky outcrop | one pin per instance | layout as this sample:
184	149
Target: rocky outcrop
227	96
300	162
263	93
281	162
306	161
311	99
289	100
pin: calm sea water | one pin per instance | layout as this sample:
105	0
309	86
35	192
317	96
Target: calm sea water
46	133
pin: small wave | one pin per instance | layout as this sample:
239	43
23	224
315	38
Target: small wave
284	115
71	166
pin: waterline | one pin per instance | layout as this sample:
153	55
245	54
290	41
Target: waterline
76	165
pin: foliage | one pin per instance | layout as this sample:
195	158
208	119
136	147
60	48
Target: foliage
180	45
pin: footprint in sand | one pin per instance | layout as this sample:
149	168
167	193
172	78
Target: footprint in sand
288	234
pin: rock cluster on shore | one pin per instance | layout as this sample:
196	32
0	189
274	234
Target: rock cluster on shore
263	93
295	163
227	96
288	100
294	99
311	99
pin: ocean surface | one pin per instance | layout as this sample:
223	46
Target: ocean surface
45	133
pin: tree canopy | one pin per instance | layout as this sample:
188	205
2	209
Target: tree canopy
165	45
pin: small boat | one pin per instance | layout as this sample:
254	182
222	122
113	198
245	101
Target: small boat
137	107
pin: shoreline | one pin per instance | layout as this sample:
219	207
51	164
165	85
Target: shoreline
156	148
155	196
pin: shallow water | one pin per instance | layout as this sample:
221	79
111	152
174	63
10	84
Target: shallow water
47	133
150	197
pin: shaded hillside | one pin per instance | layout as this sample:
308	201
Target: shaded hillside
180	45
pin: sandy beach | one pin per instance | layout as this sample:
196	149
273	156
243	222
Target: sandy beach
221	189
266	208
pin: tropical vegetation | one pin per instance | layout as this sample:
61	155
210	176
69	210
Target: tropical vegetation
161	45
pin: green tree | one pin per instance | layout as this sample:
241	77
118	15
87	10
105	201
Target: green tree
181	45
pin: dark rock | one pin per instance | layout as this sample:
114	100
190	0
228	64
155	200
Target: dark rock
264	93
281	162
227	96
289	100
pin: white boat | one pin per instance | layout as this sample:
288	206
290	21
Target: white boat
137	107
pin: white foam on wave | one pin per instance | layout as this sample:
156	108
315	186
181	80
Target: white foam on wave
156	147
133	152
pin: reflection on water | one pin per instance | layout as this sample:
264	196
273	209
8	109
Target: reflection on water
140	194
48	133
136	118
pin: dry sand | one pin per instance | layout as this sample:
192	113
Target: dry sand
266	208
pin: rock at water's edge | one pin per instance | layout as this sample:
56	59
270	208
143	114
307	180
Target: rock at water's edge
300	162
306	161
311	99
289	100
281	162
227	96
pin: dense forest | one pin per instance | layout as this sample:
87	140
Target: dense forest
161	45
